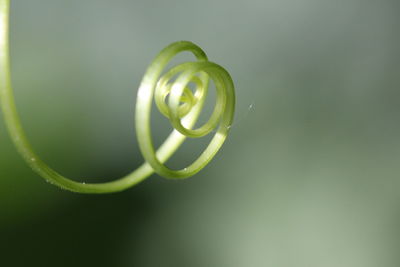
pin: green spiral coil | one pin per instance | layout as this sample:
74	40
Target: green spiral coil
169	89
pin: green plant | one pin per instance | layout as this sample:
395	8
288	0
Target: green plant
183	109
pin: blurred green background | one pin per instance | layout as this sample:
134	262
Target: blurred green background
308	177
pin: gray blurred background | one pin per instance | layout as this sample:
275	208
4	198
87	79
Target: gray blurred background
308	177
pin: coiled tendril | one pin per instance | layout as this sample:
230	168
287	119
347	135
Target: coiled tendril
182	109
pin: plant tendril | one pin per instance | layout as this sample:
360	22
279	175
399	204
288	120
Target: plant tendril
173	97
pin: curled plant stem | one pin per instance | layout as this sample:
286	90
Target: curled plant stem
182	109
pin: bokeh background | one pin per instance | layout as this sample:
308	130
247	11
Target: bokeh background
308	177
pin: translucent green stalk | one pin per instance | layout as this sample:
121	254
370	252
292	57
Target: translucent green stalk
183	109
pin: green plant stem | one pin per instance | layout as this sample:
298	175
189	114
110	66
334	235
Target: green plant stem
182	117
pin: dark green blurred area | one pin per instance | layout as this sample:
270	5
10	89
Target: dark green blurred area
308	177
